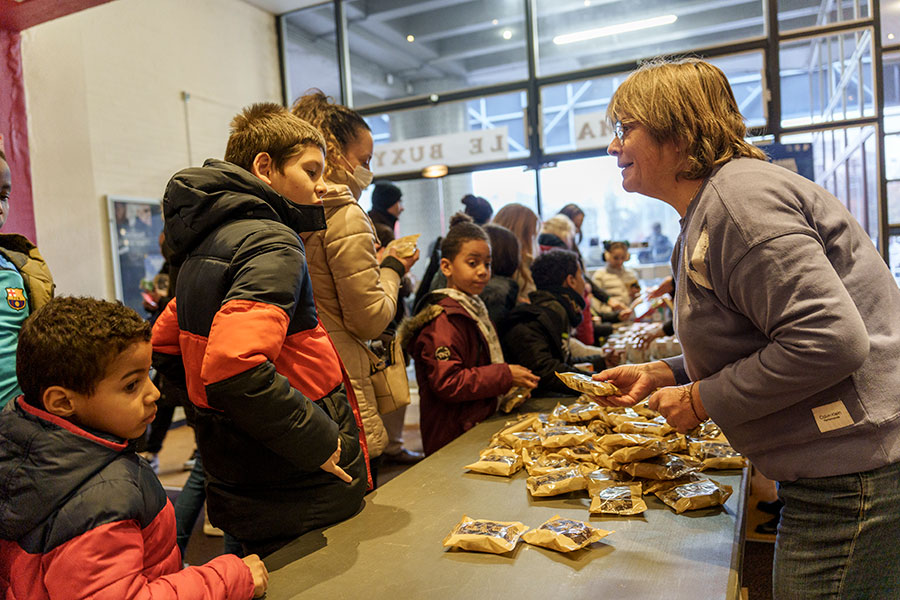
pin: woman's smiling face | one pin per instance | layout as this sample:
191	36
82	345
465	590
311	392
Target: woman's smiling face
648	166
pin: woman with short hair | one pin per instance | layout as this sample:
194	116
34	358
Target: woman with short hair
787	316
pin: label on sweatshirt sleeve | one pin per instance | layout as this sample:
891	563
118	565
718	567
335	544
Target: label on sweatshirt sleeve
832	416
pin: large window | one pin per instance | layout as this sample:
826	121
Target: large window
310	50
410	48
827	78
610	213
510	96
578	34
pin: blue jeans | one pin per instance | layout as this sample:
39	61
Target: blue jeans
839	537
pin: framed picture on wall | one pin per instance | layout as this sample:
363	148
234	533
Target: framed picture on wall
135	225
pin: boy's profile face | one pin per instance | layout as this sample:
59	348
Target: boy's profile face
301	180
124	401
5	190
576	282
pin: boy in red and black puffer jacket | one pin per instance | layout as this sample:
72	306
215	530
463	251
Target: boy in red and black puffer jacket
81	514
277	423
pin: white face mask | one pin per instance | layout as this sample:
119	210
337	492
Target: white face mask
359	180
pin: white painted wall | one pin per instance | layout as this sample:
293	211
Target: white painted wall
107	116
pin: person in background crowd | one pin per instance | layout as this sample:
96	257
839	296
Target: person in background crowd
559	232
501	291
478	208
574	212
659	248
536	335
459	363
787	317
356	294
81	515
276	422
556	232
619	283
387	204
523	222
28	284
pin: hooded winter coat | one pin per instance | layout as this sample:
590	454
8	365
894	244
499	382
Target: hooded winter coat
258	365
82	516
458	384
356	297
536	336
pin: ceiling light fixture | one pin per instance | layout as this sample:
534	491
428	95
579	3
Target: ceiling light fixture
435	171
410	38
507	34
590	34
890	36
495	22
587	2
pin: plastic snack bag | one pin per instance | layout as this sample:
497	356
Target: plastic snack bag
524	423
600	479
618	499
611	442
481	535
559	436
586	385
583	453
700	494
544	463
660	485
521	439
716	455
631	454
644	428
497	461
669	466
513	399
556	482
564	535
406	245
584	409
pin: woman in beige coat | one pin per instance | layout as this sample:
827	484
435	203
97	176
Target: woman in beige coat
355	288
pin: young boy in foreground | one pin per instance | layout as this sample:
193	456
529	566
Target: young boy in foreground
81	515
278	429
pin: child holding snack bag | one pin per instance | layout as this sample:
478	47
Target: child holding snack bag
459	362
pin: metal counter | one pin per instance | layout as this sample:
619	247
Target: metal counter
392	549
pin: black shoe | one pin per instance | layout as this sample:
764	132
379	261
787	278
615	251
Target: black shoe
773	508
770	527
404	457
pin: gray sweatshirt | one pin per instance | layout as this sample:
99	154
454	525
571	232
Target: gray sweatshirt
790	320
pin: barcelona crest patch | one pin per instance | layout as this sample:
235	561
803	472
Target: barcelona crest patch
15	297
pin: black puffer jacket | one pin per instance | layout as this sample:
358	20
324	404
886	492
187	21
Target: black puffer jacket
536	336
258	365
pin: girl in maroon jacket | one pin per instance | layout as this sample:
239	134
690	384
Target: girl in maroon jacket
459	363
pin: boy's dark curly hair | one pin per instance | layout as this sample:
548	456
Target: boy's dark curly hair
71	341
551	268
462	229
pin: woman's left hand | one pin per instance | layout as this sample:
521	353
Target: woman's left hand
680	405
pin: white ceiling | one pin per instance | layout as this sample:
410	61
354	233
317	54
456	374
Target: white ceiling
279	7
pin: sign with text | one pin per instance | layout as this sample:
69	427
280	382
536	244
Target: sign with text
592	130
453	150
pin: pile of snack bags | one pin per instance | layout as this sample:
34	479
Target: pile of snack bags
616	455
627	345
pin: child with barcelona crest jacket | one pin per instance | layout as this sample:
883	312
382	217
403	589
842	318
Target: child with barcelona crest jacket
459	364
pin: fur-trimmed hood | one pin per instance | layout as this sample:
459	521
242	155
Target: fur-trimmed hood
410	326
